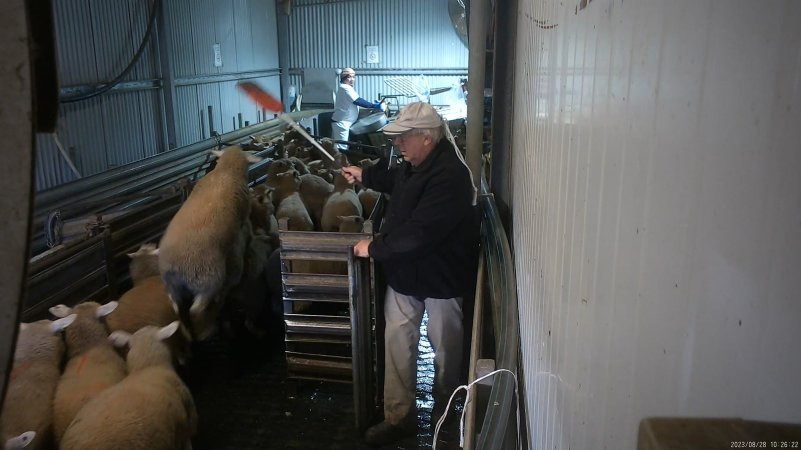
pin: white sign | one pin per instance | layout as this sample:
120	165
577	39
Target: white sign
217	55
372	54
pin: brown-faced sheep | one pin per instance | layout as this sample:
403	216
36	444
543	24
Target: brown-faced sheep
202	251
93	365
151	409
27	417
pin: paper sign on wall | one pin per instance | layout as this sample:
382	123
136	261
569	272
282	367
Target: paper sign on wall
217	55
372	54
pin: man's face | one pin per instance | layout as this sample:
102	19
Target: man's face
414	145
350	80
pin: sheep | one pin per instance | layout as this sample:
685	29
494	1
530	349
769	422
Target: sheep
151	409
148	303
26	420
368	198
263	195
144	263
251	296
260	207
342	202
298	165
314	191
291	204
350	224
202	251
92	366
277	166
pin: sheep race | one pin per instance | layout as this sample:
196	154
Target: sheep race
108	375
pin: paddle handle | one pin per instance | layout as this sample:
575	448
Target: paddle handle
303	133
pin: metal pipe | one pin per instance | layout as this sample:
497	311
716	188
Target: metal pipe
78	189
475	86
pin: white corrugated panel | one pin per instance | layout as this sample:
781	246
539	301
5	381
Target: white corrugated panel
657	214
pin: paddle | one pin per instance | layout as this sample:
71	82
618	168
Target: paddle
270	103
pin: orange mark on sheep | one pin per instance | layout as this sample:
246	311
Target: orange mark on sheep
81	363
19	370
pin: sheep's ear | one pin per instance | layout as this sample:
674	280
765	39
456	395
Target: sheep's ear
22	326
104	310
172	302
21	441
57	326
199	305
168	331
60	310
217	153
252	158
153	251
119	338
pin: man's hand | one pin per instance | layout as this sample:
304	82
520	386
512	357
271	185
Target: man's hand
353	174
360	249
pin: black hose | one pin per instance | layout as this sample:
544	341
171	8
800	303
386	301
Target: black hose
106	87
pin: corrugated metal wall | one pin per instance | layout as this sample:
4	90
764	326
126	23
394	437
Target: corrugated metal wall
97	39
657	212
413	37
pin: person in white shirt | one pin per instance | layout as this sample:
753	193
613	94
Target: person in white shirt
346	107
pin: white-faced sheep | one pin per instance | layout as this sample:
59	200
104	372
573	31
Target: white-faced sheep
314	191
368	198
148	303
202	251
93	365
342	202
27	417
291	205
151	409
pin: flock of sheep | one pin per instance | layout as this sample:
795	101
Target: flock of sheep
118	387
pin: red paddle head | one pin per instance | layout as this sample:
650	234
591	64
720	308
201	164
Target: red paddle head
261	97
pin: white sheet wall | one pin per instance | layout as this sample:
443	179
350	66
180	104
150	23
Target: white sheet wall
657	212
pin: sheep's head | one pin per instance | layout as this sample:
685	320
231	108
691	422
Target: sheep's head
147	346
144	262
86	330
42	339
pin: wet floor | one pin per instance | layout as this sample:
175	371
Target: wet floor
244	401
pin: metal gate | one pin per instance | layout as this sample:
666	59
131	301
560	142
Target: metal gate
330	312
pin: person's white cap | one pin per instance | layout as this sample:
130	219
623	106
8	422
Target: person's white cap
417	115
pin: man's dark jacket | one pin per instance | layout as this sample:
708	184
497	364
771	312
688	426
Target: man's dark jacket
428	244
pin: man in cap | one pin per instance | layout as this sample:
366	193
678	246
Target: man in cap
428	249
346	107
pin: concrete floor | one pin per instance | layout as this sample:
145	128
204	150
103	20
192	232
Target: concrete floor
245	402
